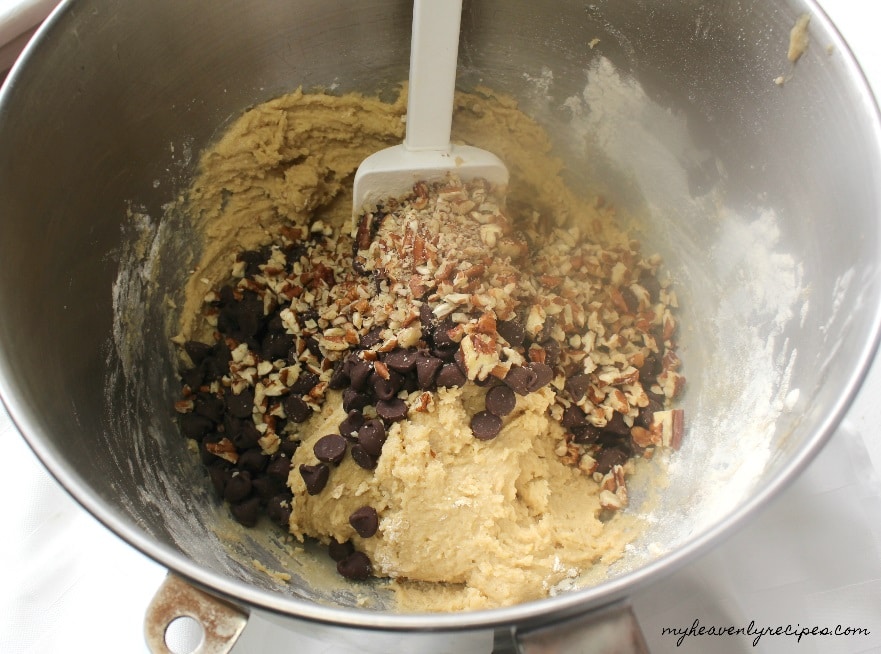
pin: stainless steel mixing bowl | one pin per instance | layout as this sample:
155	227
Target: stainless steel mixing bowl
758	179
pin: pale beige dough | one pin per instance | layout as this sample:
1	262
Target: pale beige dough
500	521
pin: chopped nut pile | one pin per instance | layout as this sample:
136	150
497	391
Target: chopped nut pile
438	289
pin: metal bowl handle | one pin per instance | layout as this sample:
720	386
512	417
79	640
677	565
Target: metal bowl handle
221	622
609	630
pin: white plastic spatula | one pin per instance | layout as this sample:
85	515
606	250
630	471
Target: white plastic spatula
426	153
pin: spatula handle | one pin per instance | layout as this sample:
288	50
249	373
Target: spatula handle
433	55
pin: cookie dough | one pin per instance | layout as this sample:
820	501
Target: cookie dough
476	496
499	521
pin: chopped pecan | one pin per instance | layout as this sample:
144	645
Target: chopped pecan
667	427
480	355
223	449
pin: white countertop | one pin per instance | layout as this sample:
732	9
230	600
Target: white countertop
812	559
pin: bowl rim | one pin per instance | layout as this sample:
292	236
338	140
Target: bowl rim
534	612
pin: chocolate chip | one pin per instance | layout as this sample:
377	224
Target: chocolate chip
356	566
351	424
219	475
630	299
610	457
294	252
573	416
314	347
279	468
194	377
616	425
275	325
267	487
227	322
243	433
340	377
449	376
338	551
552	351
543	375
512	331
364	521
371	338
330	448
354	401
500	400
253	259
233	428
427	367
362	458
296	409
238	487
247	316
586	433
197	351
276	346
651	367
611	439
305	383
194	426
288	447
209	405
401	360
392	410
441	335
646	415
427	318
227	295
359	374
577	385
459	359
386	389
659	398
252	461
547	329
315	477
411	383
217	365
520	379
241	405
372	436
485	426
247	513
278	508
446	354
